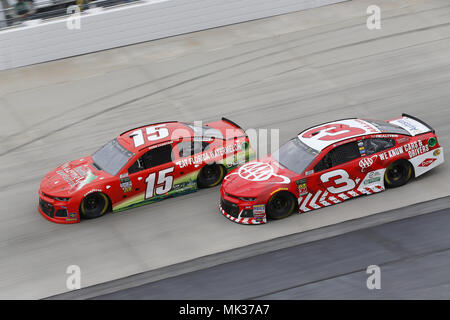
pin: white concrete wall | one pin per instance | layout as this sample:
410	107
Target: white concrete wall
131	24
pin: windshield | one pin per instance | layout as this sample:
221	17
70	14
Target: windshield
387	127
295	155
111	157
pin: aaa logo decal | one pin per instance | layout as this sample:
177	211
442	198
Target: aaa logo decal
259	171
367	162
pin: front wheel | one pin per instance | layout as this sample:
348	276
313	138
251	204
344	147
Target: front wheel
398	174
210	175
280	205
94	205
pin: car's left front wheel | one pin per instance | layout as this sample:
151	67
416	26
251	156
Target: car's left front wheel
94	205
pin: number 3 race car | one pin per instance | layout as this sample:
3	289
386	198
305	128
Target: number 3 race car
328	164
141	166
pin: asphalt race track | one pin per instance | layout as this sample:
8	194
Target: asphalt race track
287	72
413	256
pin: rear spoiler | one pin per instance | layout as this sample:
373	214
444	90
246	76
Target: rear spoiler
405	115
225	124
233	123
412	124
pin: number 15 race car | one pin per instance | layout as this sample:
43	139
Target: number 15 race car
328	164
141	166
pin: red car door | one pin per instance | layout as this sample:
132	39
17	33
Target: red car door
149	177
335	177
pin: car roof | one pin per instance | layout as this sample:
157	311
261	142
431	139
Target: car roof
322	136
175	130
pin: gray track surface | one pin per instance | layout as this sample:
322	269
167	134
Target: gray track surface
287	72
413	255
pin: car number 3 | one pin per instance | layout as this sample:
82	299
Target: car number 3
332	132
163	185
342	183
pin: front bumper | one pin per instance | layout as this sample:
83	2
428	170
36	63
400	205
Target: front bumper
56	211
236	212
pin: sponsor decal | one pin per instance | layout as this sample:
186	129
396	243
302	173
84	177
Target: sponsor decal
259	210
91	191
403	140
391	153
160	145
432	142
408	125
362	149
385	136
372	180
259	171
183	185
78	176
367	162
71	216
302	187
126	184
205	156
437	152
416	148
427	162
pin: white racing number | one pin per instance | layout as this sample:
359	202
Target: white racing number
153	133
333	132
340	179
163	185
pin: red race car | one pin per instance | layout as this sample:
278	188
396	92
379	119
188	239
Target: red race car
328	164
141	166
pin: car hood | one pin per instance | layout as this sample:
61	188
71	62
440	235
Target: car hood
71	177
257	176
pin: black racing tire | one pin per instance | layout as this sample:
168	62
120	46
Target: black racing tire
211	175
281	205
94	205
398	173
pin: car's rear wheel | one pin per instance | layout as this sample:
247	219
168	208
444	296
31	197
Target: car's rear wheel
398	174
210	175
280	205
94	205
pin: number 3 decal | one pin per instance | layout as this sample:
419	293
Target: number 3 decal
331	132
343	182
164	184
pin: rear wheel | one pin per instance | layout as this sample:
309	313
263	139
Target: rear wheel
398	174
210	175
280	205
94	205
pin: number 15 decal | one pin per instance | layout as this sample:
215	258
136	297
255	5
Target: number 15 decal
153	133
163	185
343	182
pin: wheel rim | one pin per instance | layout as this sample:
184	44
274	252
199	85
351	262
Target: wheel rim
397	173
211	174
94	205
281	205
